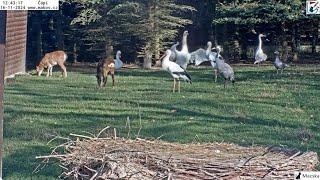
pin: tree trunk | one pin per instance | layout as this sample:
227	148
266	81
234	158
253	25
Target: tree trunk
296	43
285	53
157	52
38	38
237	50
147	60
212	13
59	31
215	25
284	43
75	55
314	36
109	50
236	45
244	45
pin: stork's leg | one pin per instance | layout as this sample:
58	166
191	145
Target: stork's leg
281	71
179	85
215	75
225	82
258	64
174	85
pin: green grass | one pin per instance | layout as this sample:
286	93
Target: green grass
263	109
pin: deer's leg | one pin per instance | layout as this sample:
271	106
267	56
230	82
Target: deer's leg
48	71
99	80
112	75
64	70
105	76
51	70
105	79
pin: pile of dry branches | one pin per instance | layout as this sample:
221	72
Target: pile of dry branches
114	158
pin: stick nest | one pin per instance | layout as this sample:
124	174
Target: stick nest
120	158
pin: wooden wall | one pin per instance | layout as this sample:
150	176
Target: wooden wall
15	46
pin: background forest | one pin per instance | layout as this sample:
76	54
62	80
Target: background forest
142	29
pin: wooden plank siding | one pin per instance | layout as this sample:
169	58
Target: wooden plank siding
2	55
16	38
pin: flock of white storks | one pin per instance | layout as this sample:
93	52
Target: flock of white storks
176	62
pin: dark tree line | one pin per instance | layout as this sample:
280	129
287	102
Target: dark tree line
142	29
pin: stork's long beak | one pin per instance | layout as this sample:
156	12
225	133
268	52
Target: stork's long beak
162	56
254	31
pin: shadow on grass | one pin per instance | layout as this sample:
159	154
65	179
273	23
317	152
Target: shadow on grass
21	163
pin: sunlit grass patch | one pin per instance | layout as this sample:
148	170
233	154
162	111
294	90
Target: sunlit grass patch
262	109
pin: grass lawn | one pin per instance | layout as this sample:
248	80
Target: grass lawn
263	109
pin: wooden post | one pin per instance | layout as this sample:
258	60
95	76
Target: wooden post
3	15
75	53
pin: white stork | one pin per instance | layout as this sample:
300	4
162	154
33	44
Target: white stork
175	71
118	62
260	56
182	57
199	56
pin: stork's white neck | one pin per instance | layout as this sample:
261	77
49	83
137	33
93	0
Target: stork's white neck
184	44
166	58
117	57
209	48
277	58
260	43
219	61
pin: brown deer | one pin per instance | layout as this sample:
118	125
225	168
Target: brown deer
51	59
105	67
